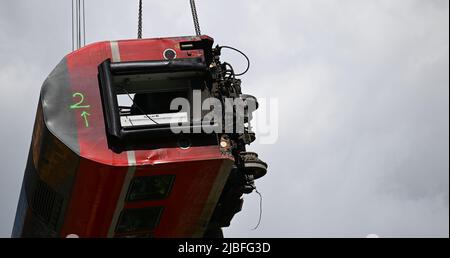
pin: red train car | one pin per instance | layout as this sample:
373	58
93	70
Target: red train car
97	168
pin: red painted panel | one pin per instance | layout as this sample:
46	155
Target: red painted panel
94	199
102	172
83	69
185	203
153	49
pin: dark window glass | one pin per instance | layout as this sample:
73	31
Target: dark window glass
156	103
135	220
150	188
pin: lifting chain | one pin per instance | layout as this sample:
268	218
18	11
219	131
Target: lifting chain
140	20
195	17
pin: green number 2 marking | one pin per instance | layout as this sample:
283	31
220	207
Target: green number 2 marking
79	105
84	115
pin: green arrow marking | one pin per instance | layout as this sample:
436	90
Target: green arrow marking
85	116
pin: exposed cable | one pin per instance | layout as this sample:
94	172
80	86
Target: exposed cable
140	109
243	54
260	209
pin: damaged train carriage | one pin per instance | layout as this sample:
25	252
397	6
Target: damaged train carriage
97	168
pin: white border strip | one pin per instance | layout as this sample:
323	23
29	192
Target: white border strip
115	52
123	193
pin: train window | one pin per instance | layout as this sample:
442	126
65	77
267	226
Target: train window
151	107
139	220
138	95
136	98
150	188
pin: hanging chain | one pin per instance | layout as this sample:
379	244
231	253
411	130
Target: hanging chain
195	17
140	20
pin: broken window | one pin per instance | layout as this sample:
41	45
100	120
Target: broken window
137	97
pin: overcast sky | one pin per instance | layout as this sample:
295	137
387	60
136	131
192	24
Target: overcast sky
363	88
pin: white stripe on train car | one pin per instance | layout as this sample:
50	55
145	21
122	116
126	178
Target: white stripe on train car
115	52
131	156
123	193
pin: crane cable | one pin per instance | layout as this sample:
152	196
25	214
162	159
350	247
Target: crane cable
84	24
73	28
78	24
195	17
140	20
